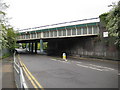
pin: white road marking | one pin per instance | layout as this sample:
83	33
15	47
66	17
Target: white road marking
89	67
53	59
96	67
78	62
101	67
63	61
60	61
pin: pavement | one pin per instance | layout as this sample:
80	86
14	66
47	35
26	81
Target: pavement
7	73
52	72
0	74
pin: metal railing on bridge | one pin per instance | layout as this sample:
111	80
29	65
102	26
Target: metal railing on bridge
61	31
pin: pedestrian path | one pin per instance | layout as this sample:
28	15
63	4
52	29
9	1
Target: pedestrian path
7	73
0	74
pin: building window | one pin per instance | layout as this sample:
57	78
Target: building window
84	30
47	34
73	31
89	30
79	31
38	35
26	36
23	36
55	33
95	30
31	35
34	35
64	32
68	32
60	32
44	34
51	33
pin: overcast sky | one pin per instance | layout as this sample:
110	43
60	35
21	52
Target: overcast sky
34	13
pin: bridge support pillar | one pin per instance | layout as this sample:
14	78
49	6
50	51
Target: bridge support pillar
32	48
29	47
26	46
41	46
35	47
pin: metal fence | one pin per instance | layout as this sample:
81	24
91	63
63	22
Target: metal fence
18	74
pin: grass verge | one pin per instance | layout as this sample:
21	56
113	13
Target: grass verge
5	56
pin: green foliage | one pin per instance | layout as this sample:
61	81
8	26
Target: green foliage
111	21
8	38
11	38
113	24
6	55
7	34
23	45
17	45
103	19
38	46
45	45
3	7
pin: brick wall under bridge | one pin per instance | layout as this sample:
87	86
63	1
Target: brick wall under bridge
87	46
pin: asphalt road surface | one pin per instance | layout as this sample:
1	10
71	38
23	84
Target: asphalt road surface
53	72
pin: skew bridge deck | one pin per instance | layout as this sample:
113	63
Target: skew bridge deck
86	29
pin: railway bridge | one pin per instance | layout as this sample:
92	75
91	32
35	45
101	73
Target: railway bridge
79	38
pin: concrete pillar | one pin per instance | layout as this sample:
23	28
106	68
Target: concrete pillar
41	46
35	47
29	47
26	46
32	48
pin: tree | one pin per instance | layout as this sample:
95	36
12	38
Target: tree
111	21
3	6
11	39
7	34
113	24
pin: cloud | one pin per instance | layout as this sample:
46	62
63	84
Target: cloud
32	13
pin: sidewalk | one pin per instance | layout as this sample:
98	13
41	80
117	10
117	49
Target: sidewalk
0	74
7	73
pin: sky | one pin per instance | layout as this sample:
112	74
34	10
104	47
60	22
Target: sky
34	13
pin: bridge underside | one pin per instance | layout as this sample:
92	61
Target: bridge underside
54	39
87	46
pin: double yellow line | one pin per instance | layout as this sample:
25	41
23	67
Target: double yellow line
32	79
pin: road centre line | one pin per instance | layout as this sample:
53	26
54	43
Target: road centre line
89	67
32	82
29	77
29	73
40	86
53	59
60	61
101	67
76	62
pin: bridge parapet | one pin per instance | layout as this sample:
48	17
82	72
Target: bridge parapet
86	29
